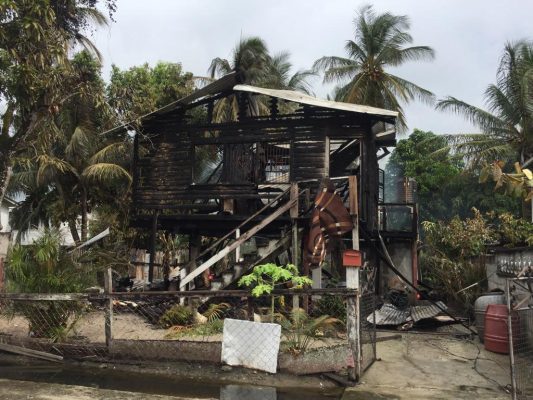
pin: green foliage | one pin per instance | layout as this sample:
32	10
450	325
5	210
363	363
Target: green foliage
46	267
265	277
453	256
444	189
380	43
254	63
507	122
142	89
459	239
518	184
300	330
216	312
177	315
214	327
512	231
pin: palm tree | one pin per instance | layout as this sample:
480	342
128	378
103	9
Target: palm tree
279	75
379	43
507	124
254	65
69	159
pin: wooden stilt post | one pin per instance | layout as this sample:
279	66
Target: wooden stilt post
352	282
294	211
108	287
153	241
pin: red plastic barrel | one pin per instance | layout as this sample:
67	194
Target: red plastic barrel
496	331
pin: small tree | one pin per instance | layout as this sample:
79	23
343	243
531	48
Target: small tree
266	277
46	267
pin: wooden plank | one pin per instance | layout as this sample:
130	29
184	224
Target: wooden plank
221	254
43	296
232	293
30	353
353	304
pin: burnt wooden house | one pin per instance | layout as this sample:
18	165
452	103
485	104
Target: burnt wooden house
254	177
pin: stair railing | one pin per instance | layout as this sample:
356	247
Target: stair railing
233	246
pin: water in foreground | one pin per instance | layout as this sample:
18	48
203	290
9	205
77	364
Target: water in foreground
153	384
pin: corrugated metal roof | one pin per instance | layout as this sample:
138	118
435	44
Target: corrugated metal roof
389	314
228	82
302	98
427	311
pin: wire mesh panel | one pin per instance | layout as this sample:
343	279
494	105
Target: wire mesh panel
367	309
520	302
185	326
368	330
53	324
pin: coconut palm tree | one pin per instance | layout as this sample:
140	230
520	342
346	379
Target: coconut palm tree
507	124
69	159
380	43
255	65
279	75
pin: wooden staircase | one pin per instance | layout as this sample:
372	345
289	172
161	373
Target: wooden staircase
279	206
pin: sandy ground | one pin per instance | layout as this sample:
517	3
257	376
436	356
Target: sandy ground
425	366
91	325
127	326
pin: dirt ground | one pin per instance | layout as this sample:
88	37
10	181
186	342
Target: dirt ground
425	366
126	326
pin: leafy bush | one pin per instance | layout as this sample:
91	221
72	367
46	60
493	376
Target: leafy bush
46	267
177	315
264	278
300	330
512	231
453	257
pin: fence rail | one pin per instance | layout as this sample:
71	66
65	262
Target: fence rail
520	325
188	326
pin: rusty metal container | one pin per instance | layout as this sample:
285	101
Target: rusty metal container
480	307
496	331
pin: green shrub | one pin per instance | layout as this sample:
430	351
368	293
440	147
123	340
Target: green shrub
46	267
177	315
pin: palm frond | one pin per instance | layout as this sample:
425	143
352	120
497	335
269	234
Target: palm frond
50	167
477	116
106	172
114	153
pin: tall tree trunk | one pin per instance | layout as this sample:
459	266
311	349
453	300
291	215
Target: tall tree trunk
74	230
7	172
83	214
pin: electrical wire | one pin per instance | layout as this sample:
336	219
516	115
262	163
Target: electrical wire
388	260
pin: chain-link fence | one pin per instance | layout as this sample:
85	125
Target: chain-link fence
520	307
368	330
308	334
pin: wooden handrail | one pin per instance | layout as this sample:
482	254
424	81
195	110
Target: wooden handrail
231	233
252	231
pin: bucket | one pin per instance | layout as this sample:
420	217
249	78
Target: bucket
480	306
496	331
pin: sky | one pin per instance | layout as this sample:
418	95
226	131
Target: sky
467	36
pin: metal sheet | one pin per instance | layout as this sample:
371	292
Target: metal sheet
391	315
251	344
426	311
302	98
